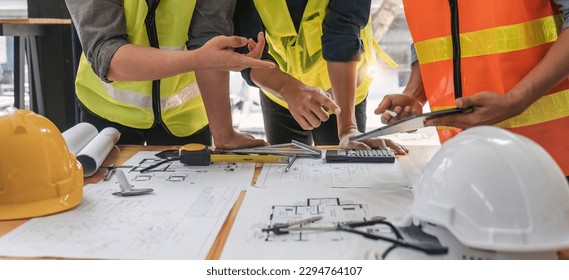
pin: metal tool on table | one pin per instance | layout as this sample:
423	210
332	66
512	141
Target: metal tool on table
200	155
293	150
126	188
111	169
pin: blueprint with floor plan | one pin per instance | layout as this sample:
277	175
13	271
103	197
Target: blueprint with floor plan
267	207
176	173
179	220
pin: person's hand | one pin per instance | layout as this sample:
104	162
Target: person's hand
218	54
237	140
368	144
403	105
489	108
256	48
308	105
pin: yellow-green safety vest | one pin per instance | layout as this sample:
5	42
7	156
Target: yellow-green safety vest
131	103
299	54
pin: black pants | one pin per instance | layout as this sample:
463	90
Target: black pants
281	127
156	135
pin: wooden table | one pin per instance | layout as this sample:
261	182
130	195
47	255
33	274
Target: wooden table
25	32
412	164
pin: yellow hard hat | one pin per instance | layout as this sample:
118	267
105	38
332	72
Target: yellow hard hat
38	175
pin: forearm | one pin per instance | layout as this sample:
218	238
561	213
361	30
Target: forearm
343	78
415	87
139	63
551	70
214	86
273	80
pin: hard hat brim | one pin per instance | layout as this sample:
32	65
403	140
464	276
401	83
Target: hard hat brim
41	208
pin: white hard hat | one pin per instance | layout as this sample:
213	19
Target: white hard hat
495	190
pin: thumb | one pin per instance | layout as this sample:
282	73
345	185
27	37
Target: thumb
384	105
465	102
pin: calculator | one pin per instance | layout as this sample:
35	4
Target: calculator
354	156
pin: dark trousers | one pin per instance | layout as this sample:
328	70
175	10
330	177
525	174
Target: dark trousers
157	135
281	127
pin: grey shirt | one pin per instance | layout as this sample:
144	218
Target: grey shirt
101	33
101	27
564	7
211	18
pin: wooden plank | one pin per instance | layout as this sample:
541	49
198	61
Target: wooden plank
36	21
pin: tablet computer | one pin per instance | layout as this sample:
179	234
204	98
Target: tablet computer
409	123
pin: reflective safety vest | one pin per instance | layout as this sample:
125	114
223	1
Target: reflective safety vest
299	54
176	102
499	43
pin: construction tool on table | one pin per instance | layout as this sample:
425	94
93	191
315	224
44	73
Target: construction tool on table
126	189
200	155
293	150
111	169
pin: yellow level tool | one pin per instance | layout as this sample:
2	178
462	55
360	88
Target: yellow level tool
200	155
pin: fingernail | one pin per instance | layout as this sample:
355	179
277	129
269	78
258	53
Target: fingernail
337	111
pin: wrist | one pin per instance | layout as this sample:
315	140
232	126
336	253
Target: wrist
288	86
348	130
416	94
517	102
193	60
221	137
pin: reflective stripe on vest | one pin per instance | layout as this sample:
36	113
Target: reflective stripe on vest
498	49
300	54
143	101
494	40
130	103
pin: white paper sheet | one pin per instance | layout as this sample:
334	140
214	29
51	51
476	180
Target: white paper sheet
79	136
93	155
316	173
174	222
263	207
176	173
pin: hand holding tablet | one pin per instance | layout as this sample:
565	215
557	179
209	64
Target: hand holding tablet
410	123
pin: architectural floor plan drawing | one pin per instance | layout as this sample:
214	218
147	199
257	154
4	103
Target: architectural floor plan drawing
307	172
180	219
266	207
176	173
173	222
332	210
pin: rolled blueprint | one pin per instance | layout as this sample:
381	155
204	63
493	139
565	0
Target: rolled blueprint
79	136
93	155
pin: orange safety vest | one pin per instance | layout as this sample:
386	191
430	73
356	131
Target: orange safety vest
500	42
